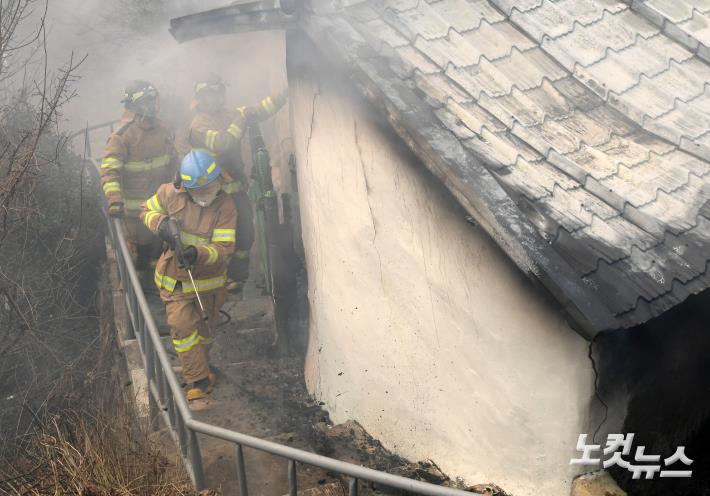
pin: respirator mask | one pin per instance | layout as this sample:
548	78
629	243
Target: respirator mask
204	197
210	95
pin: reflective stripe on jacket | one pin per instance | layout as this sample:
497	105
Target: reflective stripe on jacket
212	230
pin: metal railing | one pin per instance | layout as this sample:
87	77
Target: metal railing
166	400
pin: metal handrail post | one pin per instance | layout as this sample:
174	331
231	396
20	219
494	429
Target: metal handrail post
195	455
241	471
150	376
123	276
352	486
292	478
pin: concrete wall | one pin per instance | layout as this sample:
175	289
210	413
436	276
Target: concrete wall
421	329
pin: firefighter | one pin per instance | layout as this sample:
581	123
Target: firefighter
140	156
196	219
219	130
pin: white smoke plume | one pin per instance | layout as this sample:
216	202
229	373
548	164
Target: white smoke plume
129	39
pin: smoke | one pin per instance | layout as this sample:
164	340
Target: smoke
129	39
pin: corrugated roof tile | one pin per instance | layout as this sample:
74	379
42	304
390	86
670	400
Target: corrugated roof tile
507	6
644	100
685	120
553	104
583	98
587	45
497	40
698	27
578	253
619	71
590	131
675	10
474	117
588	11
452	49
653	143
414	59
619	233
639	185
536	178
440	88
528	69
691	244
465	15
480	78
596	163
679	209
453	123
546	20
624	151
486	151
575	209
520	107
617	123
420	21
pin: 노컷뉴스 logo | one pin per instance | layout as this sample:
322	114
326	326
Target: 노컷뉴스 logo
617	451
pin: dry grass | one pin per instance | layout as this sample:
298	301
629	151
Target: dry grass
92	454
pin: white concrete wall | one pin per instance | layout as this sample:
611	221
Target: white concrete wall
421	329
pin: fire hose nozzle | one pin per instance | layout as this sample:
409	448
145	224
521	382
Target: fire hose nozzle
174	230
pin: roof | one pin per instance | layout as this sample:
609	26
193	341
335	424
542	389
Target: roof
684	21
576	132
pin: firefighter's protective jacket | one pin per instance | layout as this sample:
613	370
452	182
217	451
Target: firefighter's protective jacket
140	156
210	229
220	133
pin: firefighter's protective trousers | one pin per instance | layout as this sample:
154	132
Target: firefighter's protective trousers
192	336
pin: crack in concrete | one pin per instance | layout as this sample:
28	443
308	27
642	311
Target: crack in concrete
369	203
316	94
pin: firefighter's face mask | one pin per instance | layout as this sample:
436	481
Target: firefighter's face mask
213	100
206	195
148	109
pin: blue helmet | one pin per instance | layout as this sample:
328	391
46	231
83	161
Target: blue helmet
198	169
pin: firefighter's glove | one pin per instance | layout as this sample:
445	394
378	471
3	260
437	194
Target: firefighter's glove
115	210
187	257
167	230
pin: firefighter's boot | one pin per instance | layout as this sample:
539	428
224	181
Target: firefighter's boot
198	390
201	388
